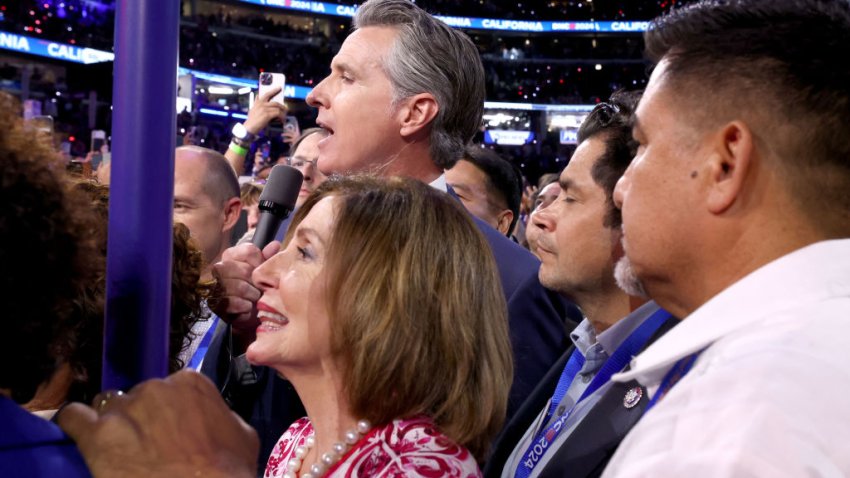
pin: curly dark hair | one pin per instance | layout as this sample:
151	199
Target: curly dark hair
86	343
46	254
187	294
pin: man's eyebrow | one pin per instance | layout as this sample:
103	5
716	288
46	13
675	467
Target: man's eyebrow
342	65
567	183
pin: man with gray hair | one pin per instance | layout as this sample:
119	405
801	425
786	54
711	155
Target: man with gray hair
418	85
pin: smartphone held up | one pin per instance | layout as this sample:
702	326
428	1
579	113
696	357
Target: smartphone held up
270	81
98	141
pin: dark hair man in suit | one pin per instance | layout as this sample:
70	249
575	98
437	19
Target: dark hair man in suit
489	186
736	214
575	418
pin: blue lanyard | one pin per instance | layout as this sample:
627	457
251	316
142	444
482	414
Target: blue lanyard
672	377
201	351
615	363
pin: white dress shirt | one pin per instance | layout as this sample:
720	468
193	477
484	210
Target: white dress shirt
196	336
770	394
440	183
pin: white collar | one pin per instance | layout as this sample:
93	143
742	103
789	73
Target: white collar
440	183
814	272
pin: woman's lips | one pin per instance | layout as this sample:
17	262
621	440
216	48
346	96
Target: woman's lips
270	319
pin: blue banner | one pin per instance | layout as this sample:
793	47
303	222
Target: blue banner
543	27
569	136
469	22
304	6
508	137
49	49
502	105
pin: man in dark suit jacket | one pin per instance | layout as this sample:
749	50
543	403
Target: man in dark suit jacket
415	124
586	451
573	421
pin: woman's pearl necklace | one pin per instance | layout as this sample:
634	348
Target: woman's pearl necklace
329	459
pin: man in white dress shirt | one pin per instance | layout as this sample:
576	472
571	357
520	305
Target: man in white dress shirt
736	214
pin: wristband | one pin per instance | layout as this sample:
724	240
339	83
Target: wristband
237	149
245	143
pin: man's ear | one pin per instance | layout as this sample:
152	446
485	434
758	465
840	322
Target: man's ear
503	221
232	208
416	113
729	165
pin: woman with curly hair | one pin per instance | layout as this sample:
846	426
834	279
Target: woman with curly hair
46	255
78	379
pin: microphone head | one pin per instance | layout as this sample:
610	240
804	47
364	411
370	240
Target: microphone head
283	186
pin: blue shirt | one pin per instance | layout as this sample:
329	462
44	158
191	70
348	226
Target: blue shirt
32	447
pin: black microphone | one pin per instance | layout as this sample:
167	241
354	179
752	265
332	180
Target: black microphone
276	202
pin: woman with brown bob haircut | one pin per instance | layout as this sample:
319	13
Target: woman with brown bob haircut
385	312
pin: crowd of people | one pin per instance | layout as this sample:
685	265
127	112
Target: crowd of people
682	310
233	40
237	40
78	22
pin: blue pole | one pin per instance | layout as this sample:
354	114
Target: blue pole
138	286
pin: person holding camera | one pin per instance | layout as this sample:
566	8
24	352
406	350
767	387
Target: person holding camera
244	134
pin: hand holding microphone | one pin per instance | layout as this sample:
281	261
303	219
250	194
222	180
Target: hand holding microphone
236	294
276	202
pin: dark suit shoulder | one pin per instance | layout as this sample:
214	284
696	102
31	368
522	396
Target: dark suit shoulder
587	450
524	417
515	263
540	322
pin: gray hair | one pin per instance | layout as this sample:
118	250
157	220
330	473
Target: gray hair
430	57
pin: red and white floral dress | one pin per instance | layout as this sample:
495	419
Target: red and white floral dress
409	448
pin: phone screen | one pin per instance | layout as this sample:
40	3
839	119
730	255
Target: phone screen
96	159
98	139
96	144
291	125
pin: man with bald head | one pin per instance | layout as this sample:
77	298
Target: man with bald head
206	200
736	217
